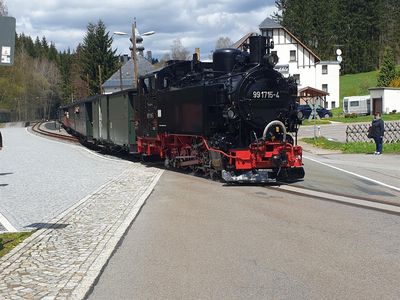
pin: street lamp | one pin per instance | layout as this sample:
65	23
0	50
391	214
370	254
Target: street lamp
136	38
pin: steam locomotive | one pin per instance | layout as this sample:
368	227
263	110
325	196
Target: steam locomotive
230	118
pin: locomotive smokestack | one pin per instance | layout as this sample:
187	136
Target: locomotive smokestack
258	48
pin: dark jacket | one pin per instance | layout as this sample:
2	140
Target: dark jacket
378	128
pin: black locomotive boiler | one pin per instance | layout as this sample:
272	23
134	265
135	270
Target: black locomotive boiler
232	117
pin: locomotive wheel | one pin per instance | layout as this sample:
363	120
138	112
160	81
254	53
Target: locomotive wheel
291	175
215	175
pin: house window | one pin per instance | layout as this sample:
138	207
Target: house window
333	104
297	78
324	69
292	55
268	32
355	103
325	88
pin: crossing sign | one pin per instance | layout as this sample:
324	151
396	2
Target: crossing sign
7	41
314	113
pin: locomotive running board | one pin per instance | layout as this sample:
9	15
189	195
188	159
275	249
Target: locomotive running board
253	176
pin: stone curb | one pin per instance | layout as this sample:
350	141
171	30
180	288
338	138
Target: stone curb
102	260
37	269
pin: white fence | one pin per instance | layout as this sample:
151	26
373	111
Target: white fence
358	133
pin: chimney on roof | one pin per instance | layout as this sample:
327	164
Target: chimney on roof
149	55
124	58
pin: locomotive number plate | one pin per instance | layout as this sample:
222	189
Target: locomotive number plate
265	94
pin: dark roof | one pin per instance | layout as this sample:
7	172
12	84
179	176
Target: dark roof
240	42
144	66
268	23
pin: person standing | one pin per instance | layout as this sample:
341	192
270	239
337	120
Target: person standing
378	129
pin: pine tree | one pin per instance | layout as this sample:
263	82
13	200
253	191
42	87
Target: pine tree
387	73
96	52
3	8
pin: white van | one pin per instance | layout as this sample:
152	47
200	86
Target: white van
360	105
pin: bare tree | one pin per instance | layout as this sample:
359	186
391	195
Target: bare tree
223	42
3	8
178	51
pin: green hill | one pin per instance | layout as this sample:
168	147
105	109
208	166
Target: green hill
357	84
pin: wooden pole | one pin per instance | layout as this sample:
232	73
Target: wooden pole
134	55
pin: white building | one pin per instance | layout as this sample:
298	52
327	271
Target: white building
385	99
297	60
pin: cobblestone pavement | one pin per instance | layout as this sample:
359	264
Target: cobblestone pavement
40	178
63	260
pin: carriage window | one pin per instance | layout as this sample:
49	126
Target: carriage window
166	83
153	83
145	84
354	103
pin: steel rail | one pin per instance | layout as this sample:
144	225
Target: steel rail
36	128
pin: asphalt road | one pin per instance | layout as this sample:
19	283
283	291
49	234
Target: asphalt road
374	169
198	239
333	131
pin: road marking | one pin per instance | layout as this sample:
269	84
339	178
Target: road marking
354	174
6	224
342	199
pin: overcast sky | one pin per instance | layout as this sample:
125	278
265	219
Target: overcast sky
198	23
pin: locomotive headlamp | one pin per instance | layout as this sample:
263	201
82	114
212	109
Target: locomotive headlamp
271	59
300	115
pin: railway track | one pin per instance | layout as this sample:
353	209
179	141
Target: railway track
36	128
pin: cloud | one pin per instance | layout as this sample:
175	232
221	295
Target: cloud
198	23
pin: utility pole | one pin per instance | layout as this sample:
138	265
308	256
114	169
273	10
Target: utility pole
88	85
101	88
120	75
134	55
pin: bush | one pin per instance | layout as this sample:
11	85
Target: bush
353	115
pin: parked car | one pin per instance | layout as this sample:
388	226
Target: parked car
306	111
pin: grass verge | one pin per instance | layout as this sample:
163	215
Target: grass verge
324	143
8	241
318	122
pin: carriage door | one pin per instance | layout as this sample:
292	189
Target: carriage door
150	107
133	121
89	120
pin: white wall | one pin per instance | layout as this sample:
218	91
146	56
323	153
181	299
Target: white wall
304	65
331	79
391	100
